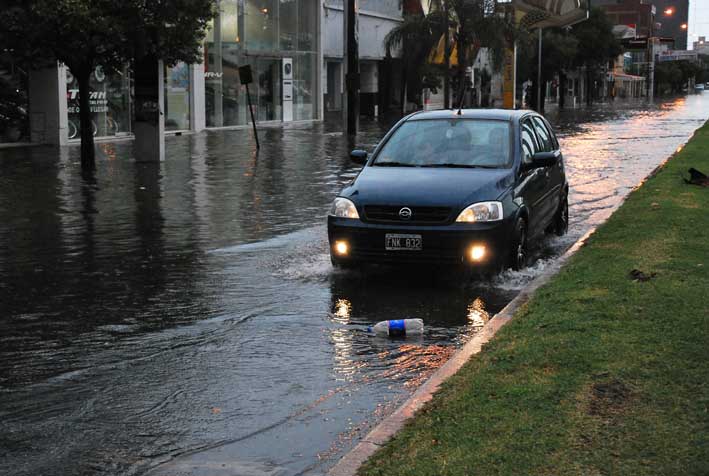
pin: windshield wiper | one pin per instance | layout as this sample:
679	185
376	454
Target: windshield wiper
454	166
393	164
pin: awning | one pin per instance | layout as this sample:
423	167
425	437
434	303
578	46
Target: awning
551	13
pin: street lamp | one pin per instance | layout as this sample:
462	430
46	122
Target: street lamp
669	11
683	26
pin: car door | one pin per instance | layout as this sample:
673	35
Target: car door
552	175
532	180
558	174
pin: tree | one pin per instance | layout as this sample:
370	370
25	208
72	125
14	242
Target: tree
480	24
596	45
83	34
415	37
559	49
673	76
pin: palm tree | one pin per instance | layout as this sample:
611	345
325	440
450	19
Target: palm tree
415	36
480	25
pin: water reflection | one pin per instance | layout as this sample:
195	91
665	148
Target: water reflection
141	297
477	315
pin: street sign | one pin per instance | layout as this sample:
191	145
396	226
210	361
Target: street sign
246	78
245	75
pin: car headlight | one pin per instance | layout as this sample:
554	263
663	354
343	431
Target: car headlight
481	212
343	208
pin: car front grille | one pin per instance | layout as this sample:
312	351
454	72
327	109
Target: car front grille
419	215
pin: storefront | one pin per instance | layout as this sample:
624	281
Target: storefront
278	39
109	103
267	35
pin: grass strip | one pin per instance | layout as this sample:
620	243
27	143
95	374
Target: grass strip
599	373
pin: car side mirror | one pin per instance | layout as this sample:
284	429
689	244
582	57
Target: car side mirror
544	159
359	156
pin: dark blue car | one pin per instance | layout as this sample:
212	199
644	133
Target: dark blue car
470	188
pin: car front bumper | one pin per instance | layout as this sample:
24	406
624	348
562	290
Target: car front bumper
446	245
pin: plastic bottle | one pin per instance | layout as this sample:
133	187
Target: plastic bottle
398	328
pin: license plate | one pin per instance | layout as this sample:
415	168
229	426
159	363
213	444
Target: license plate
393	242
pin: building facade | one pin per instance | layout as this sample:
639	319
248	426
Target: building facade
380	76
701	46
640	15
293	47
673	17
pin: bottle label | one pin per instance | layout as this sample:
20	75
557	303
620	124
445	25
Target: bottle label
397	328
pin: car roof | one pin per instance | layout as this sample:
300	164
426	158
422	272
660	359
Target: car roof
499	114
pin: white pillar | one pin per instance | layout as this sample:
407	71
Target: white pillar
198	107
322	70
48	106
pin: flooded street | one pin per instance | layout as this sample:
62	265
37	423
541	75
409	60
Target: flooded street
156	315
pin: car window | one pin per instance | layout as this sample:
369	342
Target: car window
554	140
448	143
543	135
529	141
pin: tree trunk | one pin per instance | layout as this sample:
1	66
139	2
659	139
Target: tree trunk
462	46
404	81
562	89
88	155
588	86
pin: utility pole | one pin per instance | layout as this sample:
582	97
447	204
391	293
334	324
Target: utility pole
651	91
539	74
351	61
447	60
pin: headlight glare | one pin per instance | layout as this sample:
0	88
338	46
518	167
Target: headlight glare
481	212
343	208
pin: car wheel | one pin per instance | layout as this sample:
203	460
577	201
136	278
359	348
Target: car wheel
518	251
561	219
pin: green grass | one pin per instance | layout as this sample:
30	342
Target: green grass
598	374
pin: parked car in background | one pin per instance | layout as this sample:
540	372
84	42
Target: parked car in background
471	189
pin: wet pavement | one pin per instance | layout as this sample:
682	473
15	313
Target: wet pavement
157	316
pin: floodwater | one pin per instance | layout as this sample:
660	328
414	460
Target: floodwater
160	316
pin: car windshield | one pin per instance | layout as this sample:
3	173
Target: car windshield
448	143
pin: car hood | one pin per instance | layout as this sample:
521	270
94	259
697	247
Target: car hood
428	186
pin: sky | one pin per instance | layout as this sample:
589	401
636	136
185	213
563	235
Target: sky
698	20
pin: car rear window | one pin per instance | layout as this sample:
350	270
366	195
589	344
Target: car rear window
448	143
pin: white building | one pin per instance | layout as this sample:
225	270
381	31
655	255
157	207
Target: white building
294	49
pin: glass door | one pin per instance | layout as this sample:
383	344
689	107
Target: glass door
267	90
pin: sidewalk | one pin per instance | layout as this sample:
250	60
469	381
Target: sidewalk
604	371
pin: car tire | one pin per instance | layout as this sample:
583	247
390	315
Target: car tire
561	218
518	250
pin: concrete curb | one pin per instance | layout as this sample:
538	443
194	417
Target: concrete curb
350	463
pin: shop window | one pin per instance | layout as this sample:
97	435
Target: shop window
177	97
110	102
304	84
261	24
